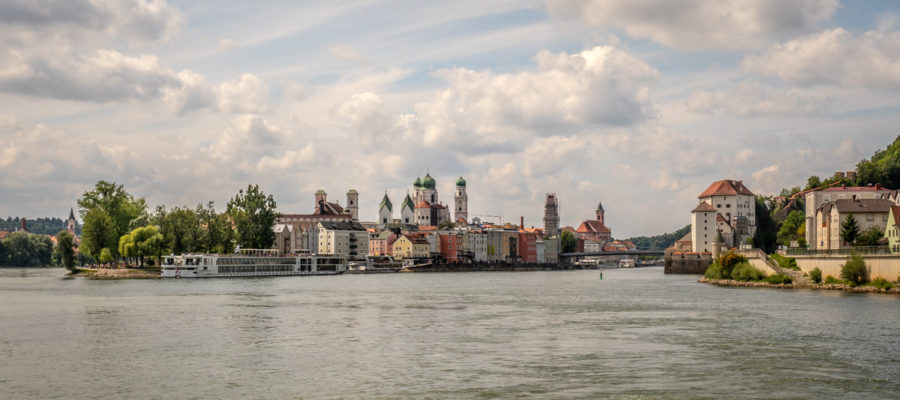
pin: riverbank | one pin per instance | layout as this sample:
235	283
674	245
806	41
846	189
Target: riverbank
814	286
117	273
494	267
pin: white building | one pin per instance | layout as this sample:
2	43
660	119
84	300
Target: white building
343	238
461	201
408	211
815	200
385	211
735	202
703	227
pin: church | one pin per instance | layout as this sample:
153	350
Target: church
424	208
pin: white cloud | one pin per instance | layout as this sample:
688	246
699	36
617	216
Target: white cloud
246	94
226	44
835	57
193	94
701	24
346	53
753	100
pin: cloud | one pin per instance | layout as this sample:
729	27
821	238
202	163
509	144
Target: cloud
246	94
346	53
833	57
756	100
193	94
247	138
602	86
701	24
226	44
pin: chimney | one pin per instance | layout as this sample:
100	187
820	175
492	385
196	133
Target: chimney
522	222
878	186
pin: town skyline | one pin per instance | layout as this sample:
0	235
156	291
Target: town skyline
186	102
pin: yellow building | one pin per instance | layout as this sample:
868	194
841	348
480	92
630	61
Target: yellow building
892	230
411	247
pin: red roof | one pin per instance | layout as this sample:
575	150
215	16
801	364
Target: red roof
726	187
704	207
720	218
422	204
896	211
876	188
592	226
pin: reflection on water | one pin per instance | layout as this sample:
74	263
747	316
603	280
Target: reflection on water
565	334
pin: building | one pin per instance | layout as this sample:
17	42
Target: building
737	207
71	223
411	246
867	213
815	200
385	211
892	229
382	243
703	227
551	215
408	211
451	244
591	246
527	246
303	233
461	201
353	204
595	230
551	250
428	211
343	238
476	244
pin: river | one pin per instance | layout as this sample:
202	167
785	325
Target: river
633	334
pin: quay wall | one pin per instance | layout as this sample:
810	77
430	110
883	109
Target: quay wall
880	266
687	263
496	267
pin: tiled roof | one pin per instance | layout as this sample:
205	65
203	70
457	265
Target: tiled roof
876	188
896	211
592	226
704	207
342	226
385	201
863	206
423	204
720	218
726	187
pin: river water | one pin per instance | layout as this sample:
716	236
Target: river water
633	334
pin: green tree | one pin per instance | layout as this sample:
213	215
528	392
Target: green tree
105	255
659	242
99	232
120	205
870	237
254	216
568	241
855	270
883	167
142	242
792	227
813	182
65	247
766	235
181	229
849	230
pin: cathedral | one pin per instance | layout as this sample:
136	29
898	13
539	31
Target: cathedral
424	208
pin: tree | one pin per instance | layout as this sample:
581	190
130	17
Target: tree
870	237
849	230
568	241
22	249
792	227
65	247
659	242
766	235
142	242
854	270
181	229
254	216
883	167
813	182
117	203
105	255
99	232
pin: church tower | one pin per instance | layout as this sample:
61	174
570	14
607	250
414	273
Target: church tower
551	216
408	211
70	223
600	213
353	204
385	210
462	201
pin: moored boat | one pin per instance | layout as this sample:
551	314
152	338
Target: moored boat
250	263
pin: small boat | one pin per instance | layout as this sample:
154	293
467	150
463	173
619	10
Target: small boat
626	263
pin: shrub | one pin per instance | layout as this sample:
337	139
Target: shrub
746	272
785	262
816	275
778	278
714	271
881	283
854	270
833	281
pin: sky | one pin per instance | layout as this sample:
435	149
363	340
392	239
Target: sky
639	104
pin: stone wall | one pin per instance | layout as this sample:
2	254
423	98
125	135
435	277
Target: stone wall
687	263
491	267
880	266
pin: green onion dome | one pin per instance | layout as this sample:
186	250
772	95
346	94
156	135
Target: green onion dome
428	182
460	182
418	182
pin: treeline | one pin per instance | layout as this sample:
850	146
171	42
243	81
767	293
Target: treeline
659	242
43	226
118	225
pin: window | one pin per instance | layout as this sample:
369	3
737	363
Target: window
728	206
870	218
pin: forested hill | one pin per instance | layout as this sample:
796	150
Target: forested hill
659	242
43	226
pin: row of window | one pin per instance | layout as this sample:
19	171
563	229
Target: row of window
256	261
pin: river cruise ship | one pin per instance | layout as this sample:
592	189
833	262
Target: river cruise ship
250	263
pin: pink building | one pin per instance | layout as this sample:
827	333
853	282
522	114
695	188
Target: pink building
451	243
382	244
527	246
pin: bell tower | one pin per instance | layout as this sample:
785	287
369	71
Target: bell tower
461	203
353	204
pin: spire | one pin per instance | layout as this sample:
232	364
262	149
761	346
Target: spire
386	202
71	213
600	206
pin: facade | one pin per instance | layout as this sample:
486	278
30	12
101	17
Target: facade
867	213
428	210
408	211
892	229
551	250
461	201
815	200
382	243
353	204
595	230
70	223
304	232
539	250
411	246
736	203
451	244
527	246
591	246
476	244
703	227
551	215
343	238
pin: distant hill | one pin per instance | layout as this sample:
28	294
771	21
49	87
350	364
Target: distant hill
43	226
659	242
